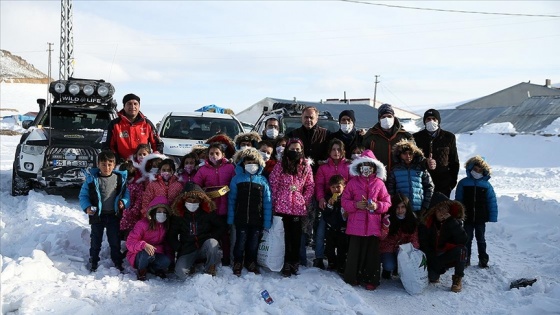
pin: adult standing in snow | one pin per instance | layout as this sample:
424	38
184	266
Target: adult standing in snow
271	129
384	135
440	149
130	129
347	132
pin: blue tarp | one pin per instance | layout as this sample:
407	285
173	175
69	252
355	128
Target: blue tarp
211	108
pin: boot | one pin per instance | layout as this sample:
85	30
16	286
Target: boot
457	285
286	272
254	268
483	261
211	270
237	267
319	263
141	275
294	269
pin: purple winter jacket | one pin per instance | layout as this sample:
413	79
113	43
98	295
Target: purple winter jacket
361	222
292	201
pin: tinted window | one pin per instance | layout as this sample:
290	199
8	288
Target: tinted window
76	119
198	128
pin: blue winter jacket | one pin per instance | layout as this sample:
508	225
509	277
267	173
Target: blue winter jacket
478	197
414	181
249	201
91	196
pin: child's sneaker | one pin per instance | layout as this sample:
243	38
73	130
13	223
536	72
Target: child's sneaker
237	267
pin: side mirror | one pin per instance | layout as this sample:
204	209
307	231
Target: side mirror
26	124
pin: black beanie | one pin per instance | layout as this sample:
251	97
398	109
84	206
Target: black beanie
385	109
129	97
349	113
434	113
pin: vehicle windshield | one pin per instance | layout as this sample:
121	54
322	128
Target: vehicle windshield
76	119
198	128
291	123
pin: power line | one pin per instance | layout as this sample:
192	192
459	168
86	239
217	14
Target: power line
453	11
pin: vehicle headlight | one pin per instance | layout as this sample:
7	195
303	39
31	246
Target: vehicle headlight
33	149
102	90
59	88
74	89
88	90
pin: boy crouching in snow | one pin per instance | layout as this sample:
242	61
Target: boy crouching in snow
103	197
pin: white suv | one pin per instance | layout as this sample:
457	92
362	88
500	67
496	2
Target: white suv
180	131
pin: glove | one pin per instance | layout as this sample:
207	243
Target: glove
386	220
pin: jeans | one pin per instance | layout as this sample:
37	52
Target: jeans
320	238
478	229
208	251
112	225
389	261
246	242
156	262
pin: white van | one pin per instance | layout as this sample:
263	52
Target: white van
180	131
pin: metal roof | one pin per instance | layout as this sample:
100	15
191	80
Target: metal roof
534	114
511	96
465	120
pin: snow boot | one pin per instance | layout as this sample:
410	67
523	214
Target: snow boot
457	284
319	263
142	274
211	270
237	267
286	272
294	269
483	261
254	268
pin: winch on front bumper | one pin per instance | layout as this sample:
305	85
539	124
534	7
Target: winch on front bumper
64	166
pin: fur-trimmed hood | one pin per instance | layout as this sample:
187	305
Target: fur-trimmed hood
406	145
478	160
456	210
252	137
144	163
368	156
192	190
251	154
225	140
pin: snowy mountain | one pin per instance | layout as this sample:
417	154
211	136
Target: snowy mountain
45	244
15	69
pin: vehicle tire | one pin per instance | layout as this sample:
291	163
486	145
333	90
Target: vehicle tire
20	186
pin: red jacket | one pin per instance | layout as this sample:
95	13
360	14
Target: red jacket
124	136
159	188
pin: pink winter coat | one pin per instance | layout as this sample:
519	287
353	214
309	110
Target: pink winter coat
134	213
286	200
324	174
210	178
361	222
141	234
159	188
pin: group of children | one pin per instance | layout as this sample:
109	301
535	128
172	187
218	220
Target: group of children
221	197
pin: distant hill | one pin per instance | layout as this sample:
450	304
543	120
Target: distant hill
14	69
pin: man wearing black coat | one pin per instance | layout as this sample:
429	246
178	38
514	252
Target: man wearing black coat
347	132
439	146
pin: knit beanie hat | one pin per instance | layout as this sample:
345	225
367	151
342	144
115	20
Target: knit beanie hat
129	97
434	113
385	109
349	113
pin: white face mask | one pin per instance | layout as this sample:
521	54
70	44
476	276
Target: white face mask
366	170
432	126
476	175
355	156
272	133
346	128
387	122
279	151
161	217
251	168
201	162
400	217
244	147
191	206
265	155
154	170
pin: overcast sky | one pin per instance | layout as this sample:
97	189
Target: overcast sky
180	55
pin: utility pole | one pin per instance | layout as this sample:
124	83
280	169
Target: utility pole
375	90
66	41
49	73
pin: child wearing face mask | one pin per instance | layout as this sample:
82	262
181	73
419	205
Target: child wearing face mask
147	244
279	149
266	150
188	167
477	195
194	231
249	208
136	186
214	177
292	185
403	228
165	184
365	199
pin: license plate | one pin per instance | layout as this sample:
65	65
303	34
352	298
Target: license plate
70	163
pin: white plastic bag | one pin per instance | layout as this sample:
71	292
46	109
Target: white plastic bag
413	268
272	247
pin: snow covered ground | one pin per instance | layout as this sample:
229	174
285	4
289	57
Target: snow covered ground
45	243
